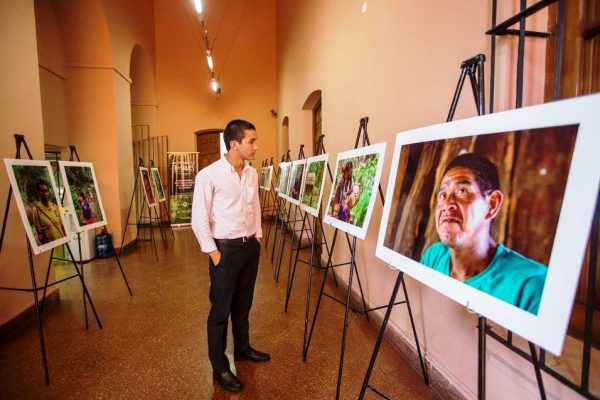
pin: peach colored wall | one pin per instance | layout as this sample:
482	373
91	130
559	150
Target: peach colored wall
244	57
52	75
21	112
399	64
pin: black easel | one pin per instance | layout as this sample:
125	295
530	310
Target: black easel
275	206
75	156
164	211
281	212
20	141
140	217
362	132
539	365
313	234
291	227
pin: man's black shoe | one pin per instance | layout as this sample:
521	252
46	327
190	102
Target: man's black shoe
228	381
251	355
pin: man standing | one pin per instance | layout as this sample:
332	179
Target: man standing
468	200
226	219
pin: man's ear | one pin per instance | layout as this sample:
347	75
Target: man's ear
494	202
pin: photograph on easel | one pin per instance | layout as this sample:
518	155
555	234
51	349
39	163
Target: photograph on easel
295	181
147	186
268	177
354	189
282	179
83	194
262	179
157	184
38	202
484	211
314	182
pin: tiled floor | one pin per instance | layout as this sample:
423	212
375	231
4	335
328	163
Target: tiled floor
153	344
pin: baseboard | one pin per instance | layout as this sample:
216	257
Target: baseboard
26	317
438	381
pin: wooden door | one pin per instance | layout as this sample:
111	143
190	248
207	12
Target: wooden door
579	75
208	146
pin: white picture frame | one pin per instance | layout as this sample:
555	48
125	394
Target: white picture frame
295	183
25	177
146	182
359	226
547	328
84	186
312	203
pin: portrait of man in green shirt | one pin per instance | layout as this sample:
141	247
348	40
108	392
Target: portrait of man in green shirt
467	201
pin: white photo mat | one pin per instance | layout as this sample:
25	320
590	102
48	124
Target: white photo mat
305	206
356	231
36	247
548	327
64	165
157	182
148	193
296	174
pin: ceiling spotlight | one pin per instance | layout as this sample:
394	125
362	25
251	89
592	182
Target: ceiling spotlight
210	60
215	86
198	6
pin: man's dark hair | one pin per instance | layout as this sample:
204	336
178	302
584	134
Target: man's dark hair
486	174
41	182
235	131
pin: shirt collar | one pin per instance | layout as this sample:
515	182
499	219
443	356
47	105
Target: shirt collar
226	164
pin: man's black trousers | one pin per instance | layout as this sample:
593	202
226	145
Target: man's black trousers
231	291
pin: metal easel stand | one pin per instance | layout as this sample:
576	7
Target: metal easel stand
362	132
312	244
75	156
163	211
20	141
273	209
291	227
279	222
139	219
502	29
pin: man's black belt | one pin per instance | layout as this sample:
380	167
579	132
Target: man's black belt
237	242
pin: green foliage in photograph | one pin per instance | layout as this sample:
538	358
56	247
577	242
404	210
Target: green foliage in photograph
27	177
84	194
157	184
312	189
365	175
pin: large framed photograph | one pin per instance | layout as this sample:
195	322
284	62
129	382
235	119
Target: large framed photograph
314	182
494	212
159	190
355	187
295	181
283	179
147	186
265	177
83	194
38	202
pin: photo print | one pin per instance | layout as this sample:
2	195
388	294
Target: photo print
268	177
159	189
147	186
494	212
283	178
295	182
314	183
83	194
355	188
38	202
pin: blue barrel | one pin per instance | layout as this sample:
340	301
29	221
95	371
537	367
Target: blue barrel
104	247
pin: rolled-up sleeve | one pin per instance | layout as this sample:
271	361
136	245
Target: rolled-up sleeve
257	210
201	209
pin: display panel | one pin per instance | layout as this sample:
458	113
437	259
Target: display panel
314	184
83	194
354	189
494	212
38	203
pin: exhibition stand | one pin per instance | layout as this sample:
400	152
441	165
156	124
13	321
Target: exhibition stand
20	141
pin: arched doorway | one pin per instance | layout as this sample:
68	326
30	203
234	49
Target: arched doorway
285	135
